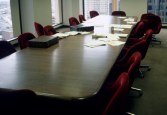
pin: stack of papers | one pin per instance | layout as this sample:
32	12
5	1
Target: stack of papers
122	35
61	35
83	33
116	43
113	36
95	43
99	35
129	20
120	25
118	29
121	17
126	26
73	33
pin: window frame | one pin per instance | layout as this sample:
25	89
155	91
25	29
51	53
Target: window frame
61	14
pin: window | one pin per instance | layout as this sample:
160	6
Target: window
158	7
6	28
56	12
101	6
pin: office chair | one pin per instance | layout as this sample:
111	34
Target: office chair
119	90
109	101
153	22
144	16
130	64
6	49
73	21
39	29
140	45
18	101
118	13
24	38
93	14
138	30
81	18
49	30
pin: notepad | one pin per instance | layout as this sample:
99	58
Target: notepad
118	29
95	43
61	35
122	35
116	43
121	17
73	33
129	19
83	33
131	22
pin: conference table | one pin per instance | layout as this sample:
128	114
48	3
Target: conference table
67	70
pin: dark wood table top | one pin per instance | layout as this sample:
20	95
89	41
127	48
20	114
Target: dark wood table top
67	70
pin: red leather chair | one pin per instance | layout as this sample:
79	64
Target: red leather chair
144	16
81	18
153	22
130	64
49	30
109	101
93	14
119	91
118	13
140	45
18	101
73	21
138	30
6	49
39	29
23	39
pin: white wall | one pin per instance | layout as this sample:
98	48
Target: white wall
27	16
15	17
67	11
71	8
35	11
134	7
42	11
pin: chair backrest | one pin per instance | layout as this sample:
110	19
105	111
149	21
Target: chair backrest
141	46
49	30
93	13
39	29
18	101
118	13
147	38
73	21
119	90
144	16
132	66
6	49
24	38
152	22
138	30
81	18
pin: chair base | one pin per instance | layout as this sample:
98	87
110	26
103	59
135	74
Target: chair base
145	67
140	92
154	40
129	113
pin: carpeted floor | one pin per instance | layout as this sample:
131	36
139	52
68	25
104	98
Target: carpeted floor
154	84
